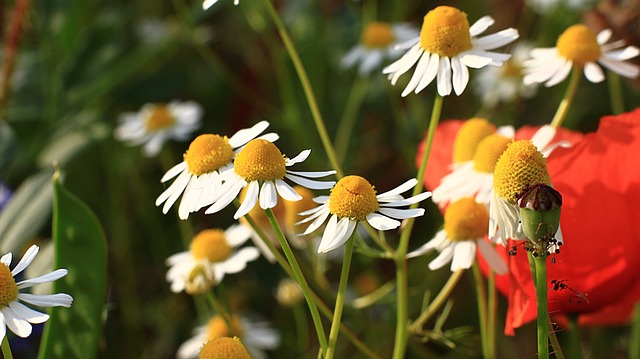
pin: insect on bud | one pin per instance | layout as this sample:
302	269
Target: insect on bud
539	211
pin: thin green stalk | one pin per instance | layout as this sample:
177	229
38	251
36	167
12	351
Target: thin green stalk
299	277
438	301
540	262
555	343
491	313
634	336
6	348
349	116
615	93
342	289
306	86
573	330
482	309
567	100
220	310
402	295
302	334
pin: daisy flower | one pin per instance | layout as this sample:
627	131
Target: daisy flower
198	176
504	84
378	42
206	4
154	124
353	199
224	347
580	47
446	47
13	313
211	255
262	167
257	336
465	224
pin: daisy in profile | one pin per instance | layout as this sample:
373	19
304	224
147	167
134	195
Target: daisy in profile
13	313
465	224
257	336
378	43
154	124
198	176
262	167
353	199
206	4
212	254
446	47
579	47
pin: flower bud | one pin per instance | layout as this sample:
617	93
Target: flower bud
539	211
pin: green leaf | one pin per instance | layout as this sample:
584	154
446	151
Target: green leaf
80	247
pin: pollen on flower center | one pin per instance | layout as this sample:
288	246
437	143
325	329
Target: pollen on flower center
217	327
353	197
8	287
159	118
488	152
578	44
208	153
260	160
377	35
519	166
445	31
224	348
469	136
466	219
211	244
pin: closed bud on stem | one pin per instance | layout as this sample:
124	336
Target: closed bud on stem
539	206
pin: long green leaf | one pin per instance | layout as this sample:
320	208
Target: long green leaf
80	247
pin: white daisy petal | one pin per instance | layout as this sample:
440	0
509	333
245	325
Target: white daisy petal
48	300
622	68
593	72
243	136
30	315
560	75
17	325
430	72
316	174
311	184
464	255
3	326
250	199
381	222
417	75
238	261
287	192
27	258
237	234
460	75
174	171
496	40
409	184
492	257
50	277
268	195
442	259
603	36
481	25
301	157
444	77
409	201
402	213
6	259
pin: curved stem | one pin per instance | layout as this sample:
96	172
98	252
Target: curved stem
299	277
438	301
6	348
349	116
482	309
563	109
220	310
306	86
342	288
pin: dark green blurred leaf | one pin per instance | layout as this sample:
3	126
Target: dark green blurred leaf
7	147
81	248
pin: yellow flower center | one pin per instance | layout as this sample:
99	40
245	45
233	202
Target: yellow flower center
377	35
260	160
8	287
291	209
207	153
159	118
519	166
469	136
224	348
466	219
579	45
488	152
445	31
217	327
353	197
511	68
211	244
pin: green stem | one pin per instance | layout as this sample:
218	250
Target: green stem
342	288
6	348
302	334
634	337
563	109
540	263
299	277
402	317
615	93
349	116
491	313
573	330
482	309
306	86
438	301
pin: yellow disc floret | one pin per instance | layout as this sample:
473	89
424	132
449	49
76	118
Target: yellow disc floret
8	287
211	244
469	136
488	152
207	153
224	348
578	44
217	327
159	118
445	31
519	166
353	197
466	219
377	35
260	160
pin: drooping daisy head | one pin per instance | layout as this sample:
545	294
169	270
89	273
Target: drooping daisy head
212	254
465	224
263	168
579	47
154	124
13	313
224	347
446	47
199	174
378	43
353	199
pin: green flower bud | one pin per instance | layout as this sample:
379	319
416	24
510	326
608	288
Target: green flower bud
540	211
